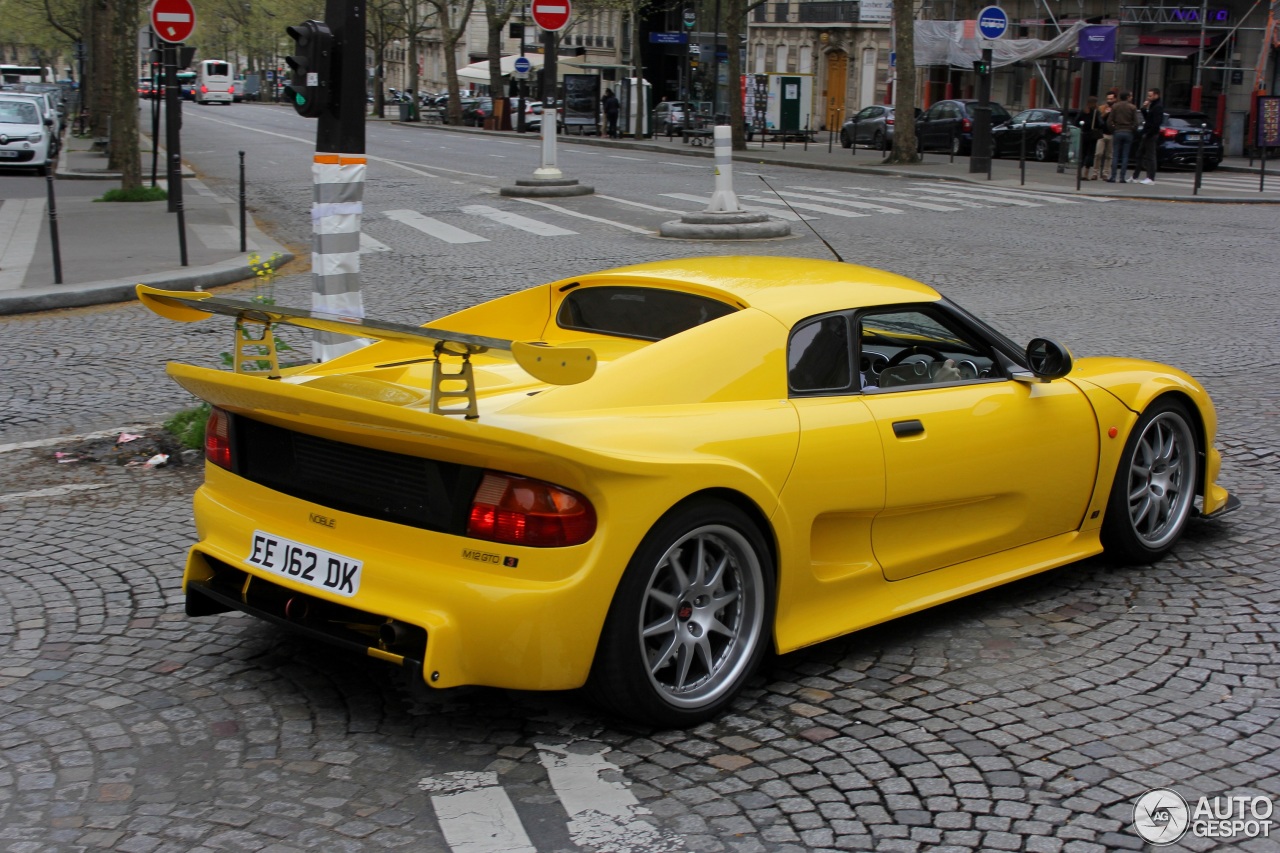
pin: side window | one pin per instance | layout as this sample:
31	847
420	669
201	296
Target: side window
819	357
906	348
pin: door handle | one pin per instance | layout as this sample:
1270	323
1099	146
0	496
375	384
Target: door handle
906	429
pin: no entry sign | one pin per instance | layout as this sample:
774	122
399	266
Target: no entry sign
550	15
173	20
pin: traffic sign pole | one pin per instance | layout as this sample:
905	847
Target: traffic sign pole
993	23
550	112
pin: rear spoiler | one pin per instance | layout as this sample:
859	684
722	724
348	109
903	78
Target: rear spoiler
553	365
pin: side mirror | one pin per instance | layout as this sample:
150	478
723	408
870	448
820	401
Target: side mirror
1048	359
48	122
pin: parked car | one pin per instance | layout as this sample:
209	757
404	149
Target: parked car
848	446
669	117
533	116
475	112
1180	140
26	133
948	125
47	109
870	126
1041	129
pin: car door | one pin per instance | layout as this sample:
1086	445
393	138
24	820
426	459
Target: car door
975	461
926	127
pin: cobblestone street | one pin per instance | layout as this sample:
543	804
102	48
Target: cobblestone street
1029	718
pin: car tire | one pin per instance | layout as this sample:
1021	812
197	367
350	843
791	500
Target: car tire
845	141
1042	150
877	141
690	621
956	146
1155	487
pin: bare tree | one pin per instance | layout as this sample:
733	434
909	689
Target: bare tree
452	22
497	14
384	22
904	87
735	18
418	19
123	73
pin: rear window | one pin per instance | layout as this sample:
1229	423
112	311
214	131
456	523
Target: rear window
1186	120
218	69
637	312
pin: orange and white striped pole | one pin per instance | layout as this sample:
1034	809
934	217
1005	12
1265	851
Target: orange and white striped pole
336	211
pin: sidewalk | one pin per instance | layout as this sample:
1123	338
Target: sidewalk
826	154
108	247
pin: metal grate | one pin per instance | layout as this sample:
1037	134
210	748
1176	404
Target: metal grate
373	483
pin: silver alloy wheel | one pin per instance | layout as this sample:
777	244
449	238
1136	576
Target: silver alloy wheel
702	615
1161	484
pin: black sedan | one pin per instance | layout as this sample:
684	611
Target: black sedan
1182	133
948	125
1040	130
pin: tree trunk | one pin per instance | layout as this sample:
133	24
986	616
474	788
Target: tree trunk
98	67
637	91
904	87
737	14
124	95
450	42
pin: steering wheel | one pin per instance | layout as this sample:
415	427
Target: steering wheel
918	349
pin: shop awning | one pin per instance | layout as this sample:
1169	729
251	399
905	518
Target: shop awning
1162	51
478	72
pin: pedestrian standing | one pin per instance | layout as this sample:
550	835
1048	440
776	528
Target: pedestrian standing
1102	152
1124	124
1089	135
611	107
1149	141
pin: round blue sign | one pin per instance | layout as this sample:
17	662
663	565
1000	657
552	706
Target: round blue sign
993	22
522	65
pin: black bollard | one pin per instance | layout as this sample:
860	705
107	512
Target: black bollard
1195	188
243	234
53	227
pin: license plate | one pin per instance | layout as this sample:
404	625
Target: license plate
8	153
315	567
1192	137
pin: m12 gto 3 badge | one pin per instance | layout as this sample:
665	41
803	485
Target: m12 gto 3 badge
486	557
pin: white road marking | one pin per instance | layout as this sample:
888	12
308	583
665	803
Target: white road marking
955	193
705	199
685	165
1048	197
620	157
639	204
368	245
603	813
476	815
923	205
434	227
55	491
72	439
515	220
563	210
865	205
816	208
20	220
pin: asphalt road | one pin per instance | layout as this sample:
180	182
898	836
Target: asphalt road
1028	718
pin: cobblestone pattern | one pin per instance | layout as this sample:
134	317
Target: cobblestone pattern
1027	718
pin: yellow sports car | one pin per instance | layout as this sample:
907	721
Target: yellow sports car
640	479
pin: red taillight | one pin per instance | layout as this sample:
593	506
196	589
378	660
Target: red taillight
1056	127
1168	132
966	125
217	439
204	90
231	90
521	511
888	121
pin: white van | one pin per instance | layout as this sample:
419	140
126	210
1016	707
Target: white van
213	82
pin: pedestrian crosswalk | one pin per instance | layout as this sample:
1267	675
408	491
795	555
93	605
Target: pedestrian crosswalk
390	230
1238	184
476	812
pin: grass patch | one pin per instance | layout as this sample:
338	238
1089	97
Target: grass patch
187	426
139	194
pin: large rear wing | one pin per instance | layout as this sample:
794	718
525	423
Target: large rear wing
552	364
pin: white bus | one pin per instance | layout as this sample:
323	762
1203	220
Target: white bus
26	74
214	84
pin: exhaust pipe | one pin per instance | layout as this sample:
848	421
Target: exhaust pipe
297	608
392	633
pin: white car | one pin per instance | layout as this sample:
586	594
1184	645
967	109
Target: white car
533	115
48	110
25	135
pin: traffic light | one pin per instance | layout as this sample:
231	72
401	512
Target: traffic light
981	67
310	68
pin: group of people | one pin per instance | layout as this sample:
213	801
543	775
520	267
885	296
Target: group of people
1116	130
